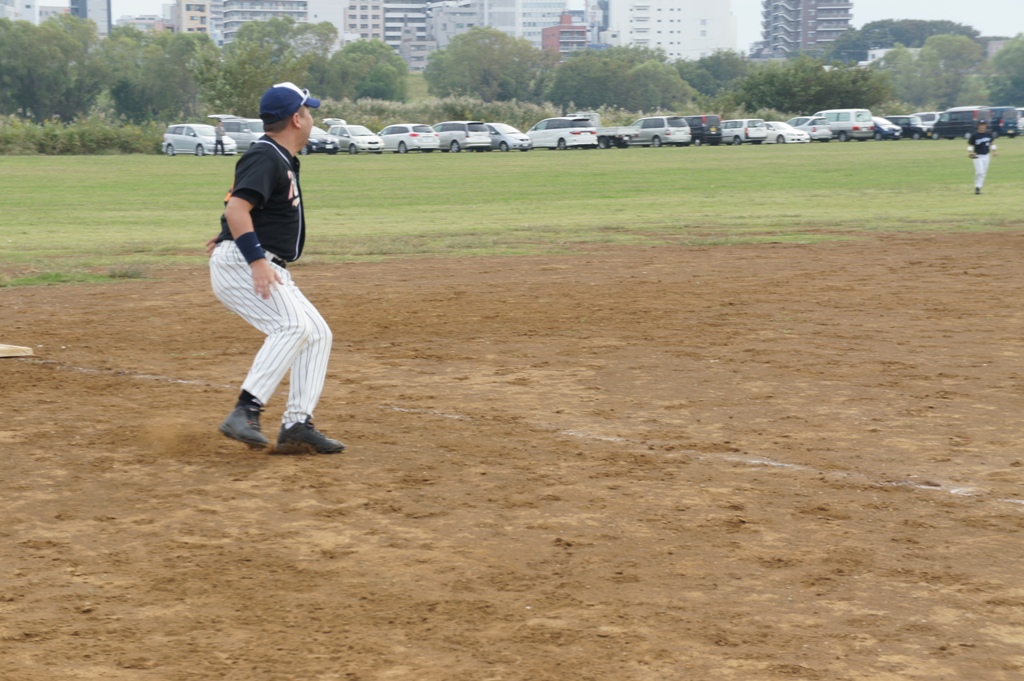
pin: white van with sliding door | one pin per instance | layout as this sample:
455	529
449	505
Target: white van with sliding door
849	124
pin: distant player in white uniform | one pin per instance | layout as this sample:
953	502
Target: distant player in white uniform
262	230
980	148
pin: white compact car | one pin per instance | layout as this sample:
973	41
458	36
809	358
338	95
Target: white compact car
563	133
194	138
784	133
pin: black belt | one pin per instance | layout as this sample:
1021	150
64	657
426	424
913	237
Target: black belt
280	263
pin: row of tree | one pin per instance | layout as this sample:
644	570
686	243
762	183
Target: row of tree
62	69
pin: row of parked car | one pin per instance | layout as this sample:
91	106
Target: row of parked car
583	130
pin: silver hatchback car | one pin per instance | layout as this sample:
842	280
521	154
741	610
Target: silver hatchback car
504	137
194	138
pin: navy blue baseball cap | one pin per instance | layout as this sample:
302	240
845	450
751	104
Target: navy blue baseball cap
284	99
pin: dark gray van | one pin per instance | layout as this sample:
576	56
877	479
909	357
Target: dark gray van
705	129
960	121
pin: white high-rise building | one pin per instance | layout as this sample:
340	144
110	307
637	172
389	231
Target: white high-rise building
684	29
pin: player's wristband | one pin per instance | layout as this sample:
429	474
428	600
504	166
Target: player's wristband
249	245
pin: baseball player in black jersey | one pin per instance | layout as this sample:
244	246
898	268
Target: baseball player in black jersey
980	147
262	230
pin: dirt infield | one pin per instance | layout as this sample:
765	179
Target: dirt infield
736	463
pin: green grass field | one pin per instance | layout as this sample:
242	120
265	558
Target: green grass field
70	216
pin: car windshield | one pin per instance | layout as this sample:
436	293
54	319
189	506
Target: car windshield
204	130
317	132
359	131
756	124
914	120
677	122
256	125
507	129
422	128
782	126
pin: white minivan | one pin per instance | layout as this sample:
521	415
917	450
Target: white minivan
563	132
849	124
740	130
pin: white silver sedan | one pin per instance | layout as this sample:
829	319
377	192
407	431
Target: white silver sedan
817	128
784	133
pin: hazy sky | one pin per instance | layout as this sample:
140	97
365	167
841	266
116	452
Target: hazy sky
1005	19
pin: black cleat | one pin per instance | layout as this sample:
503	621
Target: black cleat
977	190
304	436
243	424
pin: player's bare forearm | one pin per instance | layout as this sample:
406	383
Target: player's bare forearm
238	215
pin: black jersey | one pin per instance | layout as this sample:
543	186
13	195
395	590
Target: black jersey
981	141
267	176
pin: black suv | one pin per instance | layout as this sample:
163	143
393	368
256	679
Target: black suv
911	126
705	129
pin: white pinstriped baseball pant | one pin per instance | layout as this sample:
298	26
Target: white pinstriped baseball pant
980	170
298	337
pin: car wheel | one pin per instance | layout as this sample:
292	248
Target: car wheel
843	137
304	151
561	144
199	150
352	149
780	140
655	141
879	137
736	141
169	150
402	149
455	148
916	136
602	143
697	142
503	146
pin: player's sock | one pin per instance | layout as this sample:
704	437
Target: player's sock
246	399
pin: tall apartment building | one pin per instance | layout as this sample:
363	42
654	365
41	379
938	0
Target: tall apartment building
192	17
364	20
97	10
9	10
570	35
684	29
238	12
793	25
450	18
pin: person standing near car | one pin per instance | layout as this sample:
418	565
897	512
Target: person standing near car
981	147
219	131
263	228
